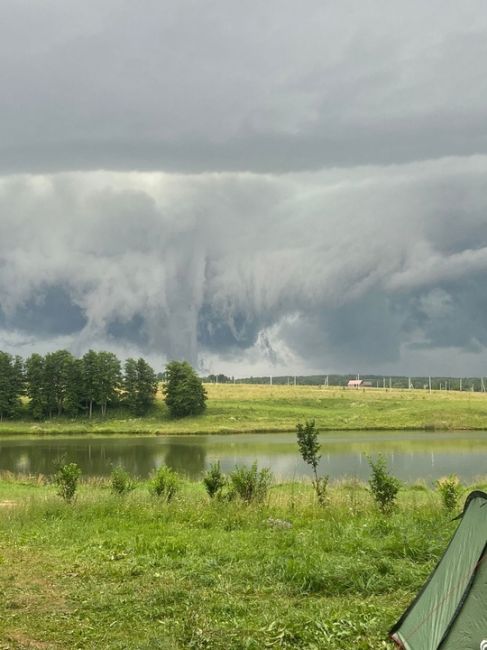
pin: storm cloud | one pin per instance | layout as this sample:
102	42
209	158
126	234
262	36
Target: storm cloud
339	267
257	187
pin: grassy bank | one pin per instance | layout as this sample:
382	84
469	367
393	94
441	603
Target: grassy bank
255	408
111	572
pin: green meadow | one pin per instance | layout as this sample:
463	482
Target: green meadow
133	572
257	408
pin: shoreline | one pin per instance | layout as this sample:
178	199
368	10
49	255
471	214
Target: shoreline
89	433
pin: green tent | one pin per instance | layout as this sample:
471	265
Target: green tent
450	612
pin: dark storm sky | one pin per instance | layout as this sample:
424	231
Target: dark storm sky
258	187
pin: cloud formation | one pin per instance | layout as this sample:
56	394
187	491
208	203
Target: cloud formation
326	269
256	187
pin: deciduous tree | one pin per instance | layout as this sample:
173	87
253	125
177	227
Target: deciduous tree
184	392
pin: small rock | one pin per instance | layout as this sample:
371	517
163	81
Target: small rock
279	523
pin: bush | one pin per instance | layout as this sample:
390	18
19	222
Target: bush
214	480
249	483
184	392
450	490
309	447
164	483
121	481
66	479
384	486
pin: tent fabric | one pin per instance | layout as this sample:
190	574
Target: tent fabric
450	612
470	627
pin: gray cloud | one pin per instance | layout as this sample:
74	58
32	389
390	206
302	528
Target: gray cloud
251	185
267	87
328	269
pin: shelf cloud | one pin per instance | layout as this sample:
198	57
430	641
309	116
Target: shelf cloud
336	267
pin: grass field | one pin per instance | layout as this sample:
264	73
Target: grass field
131	572
256	408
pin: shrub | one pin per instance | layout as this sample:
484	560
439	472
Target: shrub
121	481
384	486
309	447
450	490
249	483
66	479
214	480
164	483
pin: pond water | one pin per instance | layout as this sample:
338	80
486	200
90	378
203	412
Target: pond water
410	455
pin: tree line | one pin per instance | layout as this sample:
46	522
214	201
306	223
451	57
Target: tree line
475	384
58	384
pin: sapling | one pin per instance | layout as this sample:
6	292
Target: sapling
214	480
164	483
450	490
66	479
383	485
121	481
309	448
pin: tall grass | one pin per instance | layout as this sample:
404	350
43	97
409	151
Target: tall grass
200	573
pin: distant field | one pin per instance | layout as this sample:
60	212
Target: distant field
257	408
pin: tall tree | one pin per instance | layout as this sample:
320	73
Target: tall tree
74	388
146	387
109	379
11	384
57	366
36	386
18	376
130	384
184	391
90	378
140	386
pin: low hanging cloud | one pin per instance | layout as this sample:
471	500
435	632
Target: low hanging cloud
332	269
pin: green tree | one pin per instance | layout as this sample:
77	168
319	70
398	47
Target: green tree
57	367
89	373
11	384
35	379
309	448
109	379
383	485
130	384
146	387
73	400
18	379
184	392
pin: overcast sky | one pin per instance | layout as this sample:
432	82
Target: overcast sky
259	187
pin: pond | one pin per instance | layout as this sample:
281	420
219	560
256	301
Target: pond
410	455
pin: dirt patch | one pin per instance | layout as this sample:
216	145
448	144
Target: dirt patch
8	504
21	641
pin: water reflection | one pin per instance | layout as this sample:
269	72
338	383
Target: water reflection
188	457
411	455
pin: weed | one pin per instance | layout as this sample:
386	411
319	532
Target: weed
249	483
450	490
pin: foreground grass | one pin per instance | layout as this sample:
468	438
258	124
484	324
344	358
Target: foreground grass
111	572
257	408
